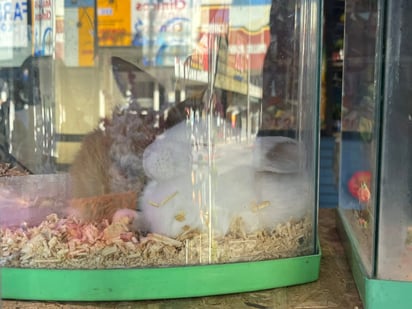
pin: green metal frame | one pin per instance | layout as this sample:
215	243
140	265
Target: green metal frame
157	283
375	293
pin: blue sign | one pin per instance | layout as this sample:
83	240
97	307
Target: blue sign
13	11
13	23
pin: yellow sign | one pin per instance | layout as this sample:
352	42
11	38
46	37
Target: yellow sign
114	23
86	36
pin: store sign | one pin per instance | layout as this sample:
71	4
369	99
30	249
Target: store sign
164	29
247	35
114	23
13	23
43	30
176	29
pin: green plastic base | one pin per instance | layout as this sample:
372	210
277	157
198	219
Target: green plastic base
157	283
375	293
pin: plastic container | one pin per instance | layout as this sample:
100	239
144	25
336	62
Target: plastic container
375	180
160	150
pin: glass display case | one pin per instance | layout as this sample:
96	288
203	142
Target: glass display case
158	149
375	205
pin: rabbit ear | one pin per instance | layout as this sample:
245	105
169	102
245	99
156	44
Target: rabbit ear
277	154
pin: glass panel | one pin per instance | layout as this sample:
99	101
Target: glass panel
359	129
395	229
158	133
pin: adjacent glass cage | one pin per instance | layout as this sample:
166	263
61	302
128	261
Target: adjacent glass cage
375	204
157	149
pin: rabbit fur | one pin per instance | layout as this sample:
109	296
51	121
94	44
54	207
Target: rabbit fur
261	183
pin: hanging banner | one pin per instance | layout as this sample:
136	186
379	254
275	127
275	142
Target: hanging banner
13	23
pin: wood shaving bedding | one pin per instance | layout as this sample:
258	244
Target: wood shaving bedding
60	242
66	243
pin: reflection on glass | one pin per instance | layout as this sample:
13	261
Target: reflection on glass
395	232
359	132
142	134
375	188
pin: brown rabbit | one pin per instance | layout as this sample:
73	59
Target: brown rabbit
89	169
110	159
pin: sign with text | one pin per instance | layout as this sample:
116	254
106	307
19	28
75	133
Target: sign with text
181	29
164	29
43	27
13	23
114	23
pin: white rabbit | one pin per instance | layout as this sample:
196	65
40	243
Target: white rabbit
168	206
267	191
170	155
261	183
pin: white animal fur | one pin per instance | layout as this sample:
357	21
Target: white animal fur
242	180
